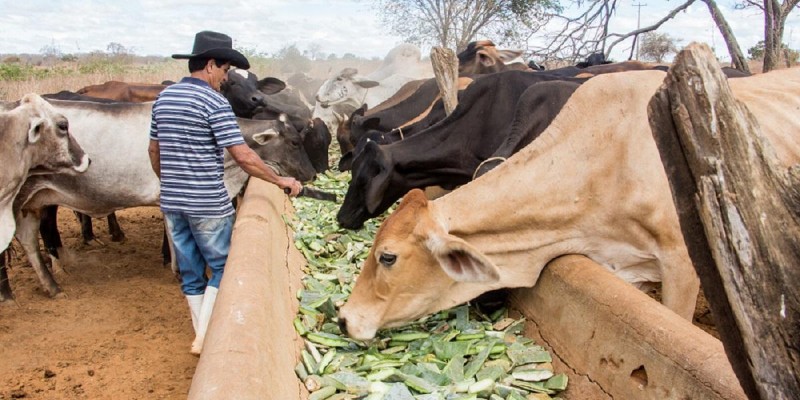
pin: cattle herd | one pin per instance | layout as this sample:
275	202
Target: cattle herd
541	163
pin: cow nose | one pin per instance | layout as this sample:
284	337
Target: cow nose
343	325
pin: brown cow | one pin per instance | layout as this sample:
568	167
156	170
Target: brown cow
483	57
123	91
591	184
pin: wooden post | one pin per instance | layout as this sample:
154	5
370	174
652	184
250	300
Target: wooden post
738	211
445	68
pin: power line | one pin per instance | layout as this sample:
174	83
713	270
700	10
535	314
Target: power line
638	24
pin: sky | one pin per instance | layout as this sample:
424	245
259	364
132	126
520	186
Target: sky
165	27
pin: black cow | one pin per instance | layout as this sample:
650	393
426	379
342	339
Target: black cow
263	99
317	138
597	58
266	99
448	153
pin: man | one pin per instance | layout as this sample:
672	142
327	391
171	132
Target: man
191	125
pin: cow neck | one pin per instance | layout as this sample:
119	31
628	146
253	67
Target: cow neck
554	202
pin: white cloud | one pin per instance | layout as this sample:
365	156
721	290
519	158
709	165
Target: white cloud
164	27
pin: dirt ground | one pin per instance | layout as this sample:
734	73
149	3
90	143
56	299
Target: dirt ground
122	330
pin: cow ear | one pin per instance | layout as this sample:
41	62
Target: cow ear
461	261
485	59
366	83
348	72
378	184
263	137
271	85
508	55
35	131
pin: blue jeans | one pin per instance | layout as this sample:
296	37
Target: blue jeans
200	241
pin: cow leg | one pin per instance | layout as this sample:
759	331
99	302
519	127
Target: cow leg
26	234
117	235
48	228
5	284
166	254
680	284
87	232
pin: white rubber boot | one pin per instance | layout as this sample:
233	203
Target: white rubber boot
195	304
209	299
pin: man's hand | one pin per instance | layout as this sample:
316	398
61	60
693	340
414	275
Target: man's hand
290	183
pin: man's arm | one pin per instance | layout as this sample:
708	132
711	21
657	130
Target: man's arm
254	166
155	157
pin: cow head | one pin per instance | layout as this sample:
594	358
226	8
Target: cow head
49	144
345	87
366	196
246	93
415	268
280	146
316	140
482	57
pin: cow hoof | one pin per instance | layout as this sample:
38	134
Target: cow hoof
118	238
59	295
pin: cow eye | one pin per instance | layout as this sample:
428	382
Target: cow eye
388	259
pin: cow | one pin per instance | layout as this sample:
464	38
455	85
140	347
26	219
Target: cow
347	90
598	58
592	184
67	95
87	232
123	91
306	87
317	140
387	124
483	57
36	141
250	96
267	99
447	153
117	137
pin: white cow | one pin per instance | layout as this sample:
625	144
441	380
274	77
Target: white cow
346	91
34	140
117	138
591	184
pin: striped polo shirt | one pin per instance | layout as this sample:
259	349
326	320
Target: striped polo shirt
193	124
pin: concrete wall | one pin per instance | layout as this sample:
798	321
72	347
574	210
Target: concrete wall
617	342
251	346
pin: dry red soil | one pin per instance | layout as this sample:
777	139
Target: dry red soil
121	331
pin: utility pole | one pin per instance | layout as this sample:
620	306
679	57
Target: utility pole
638	25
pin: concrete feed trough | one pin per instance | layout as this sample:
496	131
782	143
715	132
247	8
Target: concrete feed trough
613	341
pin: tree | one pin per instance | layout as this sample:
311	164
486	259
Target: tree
455	23
315	51
775	14
587	32
292	59
116	49
656	46
757	53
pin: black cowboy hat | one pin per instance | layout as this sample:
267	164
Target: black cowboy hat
218	46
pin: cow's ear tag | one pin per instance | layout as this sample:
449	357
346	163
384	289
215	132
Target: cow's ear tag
263	137
35	131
